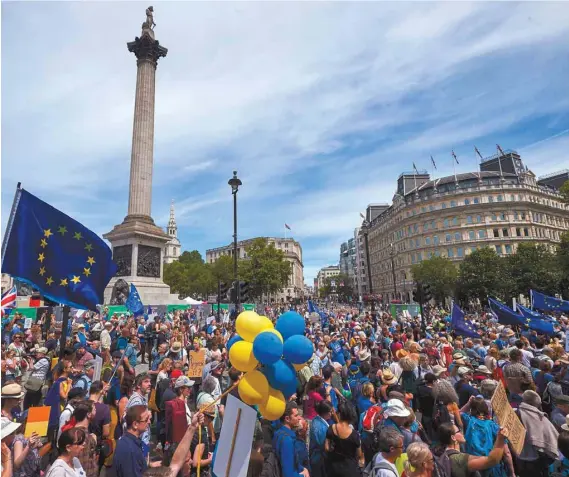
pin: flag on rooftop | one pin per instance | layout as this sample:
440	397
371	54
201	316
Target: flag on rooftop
287	226
455	158
434	163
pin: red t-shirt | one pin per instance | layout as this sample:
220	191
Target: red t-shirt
310	404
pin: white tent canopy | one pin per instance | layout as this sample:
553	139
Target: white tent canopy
191	301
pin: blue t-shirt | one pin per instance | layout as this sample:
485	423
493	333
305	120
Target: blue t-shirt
82	338
337	352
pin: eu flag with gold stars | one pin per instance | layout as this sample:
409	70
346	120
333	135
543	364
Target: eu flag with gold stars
56	254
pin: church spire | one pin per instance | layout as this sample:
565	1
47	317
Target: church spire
172	227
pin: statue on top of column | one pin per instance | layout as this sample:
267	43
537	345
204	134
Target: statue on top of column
149	23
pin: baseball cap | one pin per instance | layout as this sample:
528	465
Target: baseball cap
175	374
183	381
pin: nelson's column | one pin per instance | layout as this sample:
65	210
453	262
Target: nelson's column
138	244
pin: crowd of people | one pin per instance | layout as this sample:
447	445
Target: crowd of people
382	396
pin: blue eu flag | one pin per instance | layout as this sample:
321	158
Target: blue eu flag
60	257
549	303
536	321
460	325
505	315
133	302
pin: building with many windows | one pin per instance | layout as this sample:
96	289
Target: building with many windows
325	273
452	216
293	253
348	260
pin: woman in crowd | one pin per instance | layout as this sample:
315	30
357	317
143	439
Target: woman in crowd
70	445
445	395
344	454
313	395
420	461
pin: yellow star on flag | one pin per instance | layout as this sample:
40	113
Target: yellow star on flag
75	279
42	271
48	233
90	260
49	280
43	243
87	271
62	230
64	282
77	236
41	257
88	247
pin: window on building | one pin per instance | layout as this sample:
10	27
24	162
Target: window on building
482	234
505	233
471	235
417	242
518	232
448	238
433	225
493	217
425	227
411	243
508	249
523	215
490	198
446	223
466	201
459	252
476	200
496	233
502	216
520	197
472	249
427	240
515	215
478	219
429	254
419	257
437	253
457	236
444	205
499	249
512	197
455	221
469	219
286	243
431	207
450	252
453	203
436	240
500	198
415	228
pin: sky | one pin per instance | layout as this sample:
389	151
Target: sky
318	106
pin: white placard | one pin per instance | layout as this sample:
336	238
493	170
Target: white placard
28	323
243	439
98	368
567	341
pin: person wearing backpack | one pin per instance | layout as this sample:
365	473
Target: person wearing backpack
451	462
390	449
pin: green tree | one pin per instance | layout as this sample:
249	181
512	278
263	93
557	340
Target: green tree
480	275
533	266
222	269
439	273
266	268
189	276
564	191
342	287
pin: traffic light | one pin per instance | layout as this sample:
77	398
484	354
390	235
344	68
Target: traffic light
427	294
418	293
223	291
233	294
244	291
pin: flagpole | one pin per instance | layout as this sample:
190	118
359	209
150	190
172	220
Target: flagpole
285	231
11	218
454	166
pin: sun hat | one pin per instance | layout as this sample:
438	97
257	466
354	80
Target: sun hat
183	381
42	350
176	347
463	371
364	354
396	408
387	377
483	369
438	370
8	427
401	353
12	391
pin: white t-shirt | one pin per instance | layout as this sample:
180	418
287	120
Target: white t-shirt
61	469
384	472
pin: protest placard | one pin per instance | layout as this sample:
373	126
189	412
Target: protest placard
37	421
197	362
508	419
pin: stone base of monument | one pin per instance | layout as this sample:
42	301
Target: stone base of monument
138	251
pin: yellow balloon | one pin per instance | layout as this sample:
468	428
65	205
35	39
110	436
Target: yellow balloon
253	388
274	406
274	331
249	325
241	356
298	367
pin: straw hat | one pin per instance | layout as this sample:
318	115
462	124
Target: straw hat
387	377
12	391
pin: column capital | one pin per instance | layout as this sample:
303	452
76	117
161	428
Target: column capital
146	48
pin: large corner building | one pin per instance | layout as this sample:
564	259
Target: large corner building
499	206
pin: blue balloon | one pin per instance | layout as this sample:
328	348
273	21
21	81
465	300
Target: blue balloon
298	349
290	324
280	375
267	347
232	341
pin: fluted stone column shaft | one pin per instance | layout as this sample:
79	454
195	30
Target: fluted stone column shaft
142	156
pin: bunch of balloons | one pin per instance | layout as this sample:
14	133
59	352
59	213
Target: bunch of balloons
270	356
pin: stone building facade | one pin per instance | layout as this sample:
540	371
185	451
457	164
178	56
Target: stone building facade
454	215
173	246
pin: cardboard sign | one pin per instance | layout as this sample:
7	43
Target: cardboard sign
28	323
197	362
38	419
508	418
98	368
234	447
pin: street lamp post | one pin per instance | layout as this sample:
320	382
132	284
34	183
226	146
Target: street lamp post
234	182
393	270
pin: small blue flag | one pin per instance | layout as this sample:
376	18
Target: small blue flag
460	325
149	312
549	303
62	258
133	302
536	321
